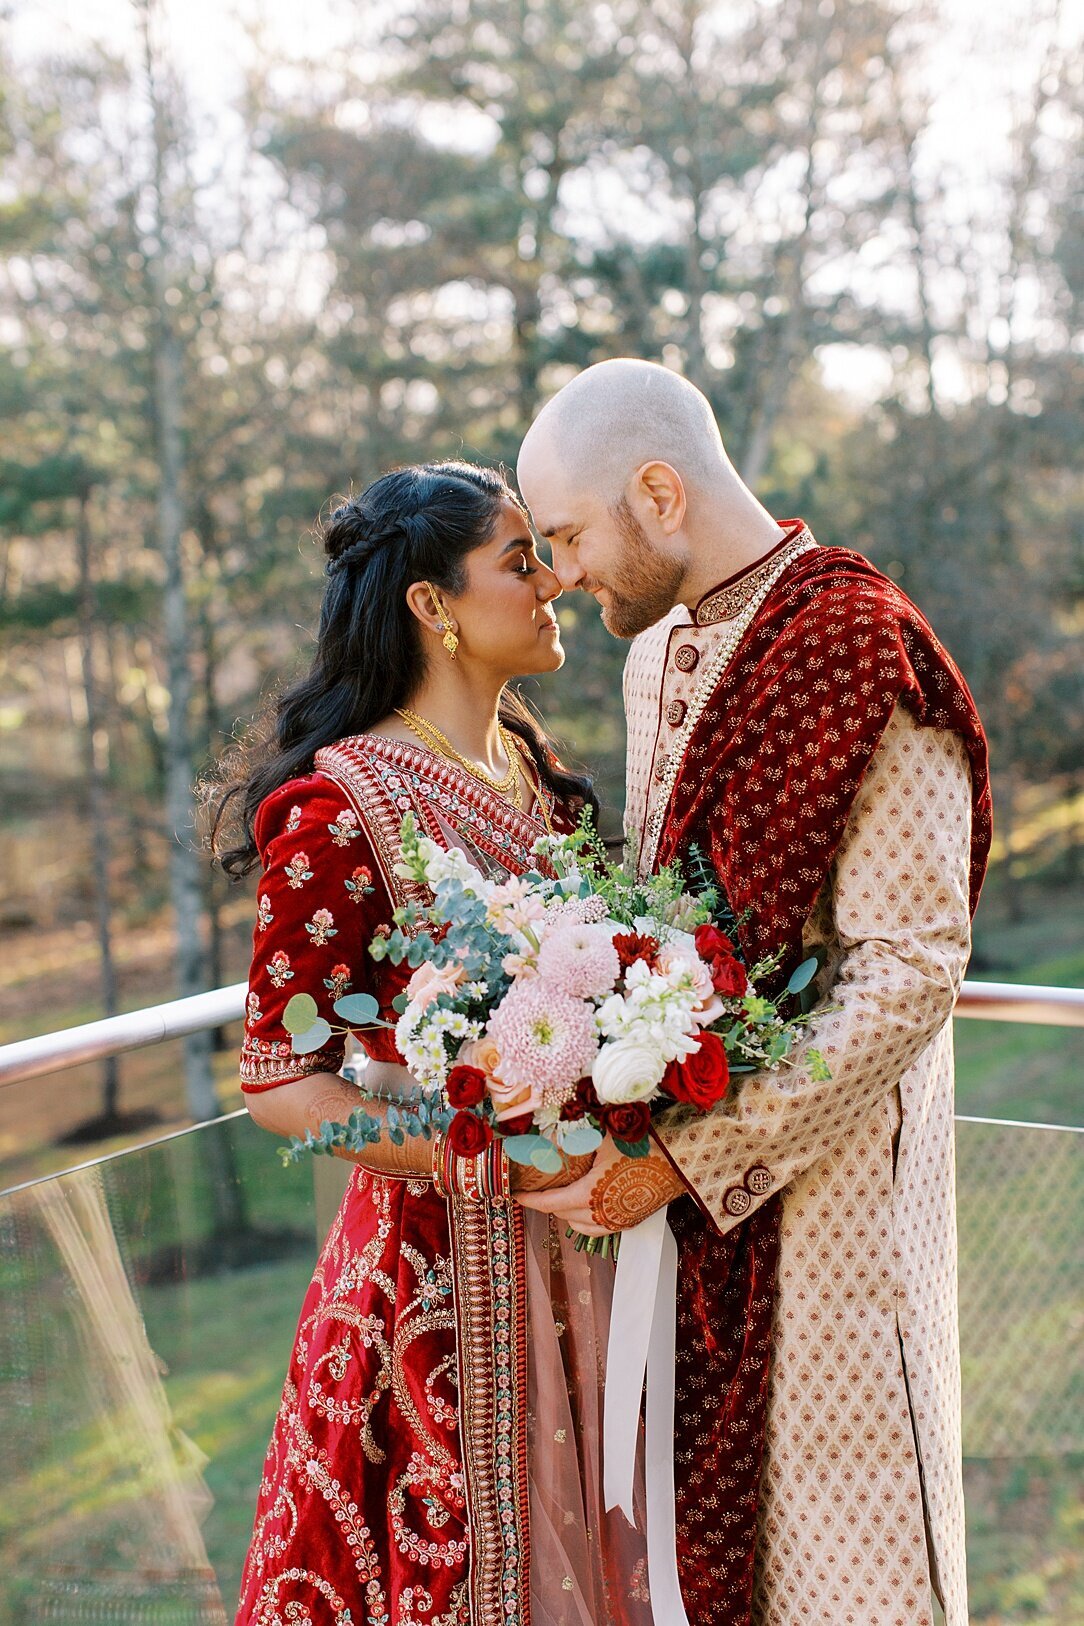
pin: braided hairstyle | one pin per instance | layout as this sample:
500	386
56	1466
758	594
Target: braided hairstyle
415	524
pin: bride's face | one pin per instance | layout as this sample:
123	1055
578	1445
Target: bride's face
504	617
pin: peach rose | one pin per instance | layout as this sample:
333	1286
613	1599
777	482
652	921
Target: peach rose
429	981
509	1100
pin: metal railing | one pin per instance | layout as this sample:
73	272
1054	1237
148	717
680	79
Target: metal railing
52	1052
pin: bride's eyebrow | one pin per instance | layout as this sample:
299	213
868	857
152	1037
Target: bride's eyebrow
517	545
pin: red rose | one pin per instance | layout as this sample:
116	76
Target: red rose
728	976
466	1086
711	943
522	1124
633	946
468	1134
583	1101
628	1121
703	1079
727	972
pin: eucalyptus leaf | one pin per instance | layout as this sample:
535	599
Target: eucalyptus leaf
579	1139
521	1148
547	1158
313	1037
799	978
300	1013
400	1002
356	1008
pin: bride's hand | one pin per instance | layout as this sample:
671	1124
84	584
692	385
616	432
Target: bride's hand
525	1177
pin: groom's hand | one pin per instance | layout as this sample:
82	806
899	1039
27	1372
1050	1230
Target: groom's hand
615	1194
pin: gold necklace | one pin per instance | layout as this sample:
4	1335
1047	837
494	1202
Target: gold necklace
508	787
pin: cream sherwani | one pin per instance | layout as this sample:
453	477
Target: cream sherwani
863	1435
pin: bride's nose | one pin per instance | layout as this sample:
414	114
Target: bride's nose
547	586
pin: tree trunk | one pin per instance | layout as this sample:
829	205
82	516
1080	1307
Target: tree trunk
98	802
216	956
185	878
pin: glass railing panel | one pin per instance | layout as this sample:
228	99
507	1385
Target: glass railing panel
149	1303
48	1124
1021	1221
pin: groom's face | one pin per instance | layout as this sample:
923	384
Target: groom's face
604	550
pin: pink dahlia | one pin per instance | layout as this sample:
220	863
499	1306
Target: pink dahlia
545	1038
580	960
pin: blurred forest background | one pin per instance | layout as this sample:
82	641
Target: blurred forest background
249	259
253	255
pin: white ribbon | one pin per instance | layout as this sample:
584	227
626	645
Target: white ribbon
642	1342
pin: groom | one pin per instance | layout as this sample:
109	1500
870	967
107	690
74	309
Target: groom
790	714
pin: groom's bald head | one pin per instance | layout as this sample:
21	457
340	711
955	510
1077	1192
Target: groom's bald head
609	470
613	418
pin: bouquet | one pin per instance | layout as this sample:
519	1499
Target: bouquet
551	1010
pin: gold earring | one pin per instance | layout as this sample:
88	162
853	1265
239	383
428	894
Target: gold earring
450	641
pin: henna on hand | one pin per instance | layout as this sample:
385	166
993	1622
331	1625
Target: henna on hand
333	1105
525	1177
629	1191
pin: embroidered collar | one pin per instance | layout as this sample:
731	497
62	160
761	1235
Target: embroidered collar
440	773
727	601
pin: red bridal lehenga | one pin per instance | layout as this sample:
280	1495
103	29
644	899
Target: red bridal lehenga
436	1456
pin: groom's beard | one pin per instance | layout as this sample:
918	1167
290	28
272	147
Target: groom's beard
645	584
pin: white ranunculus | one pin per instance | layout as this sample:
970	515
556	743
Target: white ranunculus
627	1070
446	864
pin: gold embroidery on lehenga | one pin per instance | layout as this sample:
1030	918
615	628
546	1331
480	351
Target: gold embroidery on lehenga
347	1392
431	1501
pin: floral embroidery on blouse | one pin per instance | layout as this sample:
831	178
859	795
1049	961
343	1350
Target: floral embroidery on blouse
359	884
264	917
298	871
338	982
253	1013
345	828
321	927
293	819
278	968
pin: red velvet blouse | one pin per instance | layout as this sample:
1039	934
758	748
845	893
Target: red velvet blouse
319	903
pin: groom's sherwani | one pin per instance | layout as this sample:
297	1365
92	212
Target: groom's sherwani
806	732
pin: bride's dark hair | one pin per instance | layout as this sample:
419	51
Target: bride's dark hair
415	524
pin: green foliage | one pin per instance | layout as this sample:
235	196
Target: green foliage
634	1148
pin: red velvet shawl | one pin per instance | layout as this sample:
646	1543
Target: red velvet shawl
765	789
775	763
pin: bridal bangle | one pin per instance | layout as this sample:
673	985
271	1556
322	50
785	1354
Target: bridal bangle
479	1178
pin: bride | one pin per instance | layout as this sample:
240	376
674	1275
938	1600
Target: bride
436	1456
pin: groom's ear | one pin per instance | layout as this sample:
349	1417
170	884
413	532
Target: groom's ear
661	489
